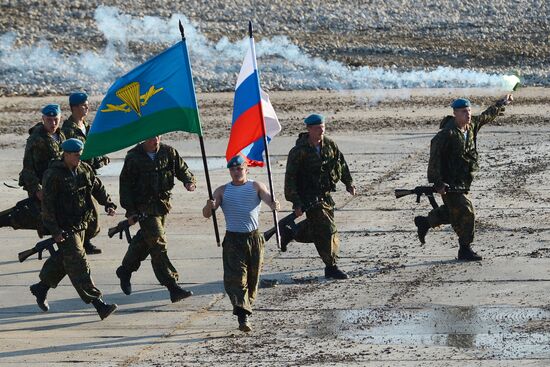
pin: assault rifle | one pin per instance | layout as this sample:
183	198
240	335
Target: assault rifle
124	227
46	244
287	221
423	190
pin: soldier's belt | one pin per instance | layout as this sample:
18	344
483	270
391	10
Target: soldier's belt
254	233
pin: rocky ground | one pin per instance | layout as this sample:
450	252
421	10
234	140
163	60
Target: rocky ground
499	37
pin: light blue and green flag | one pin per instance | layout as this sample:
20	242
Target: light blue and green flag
155	98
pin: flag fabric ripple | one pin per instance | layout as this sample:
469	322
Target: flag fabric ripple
246	128
154	98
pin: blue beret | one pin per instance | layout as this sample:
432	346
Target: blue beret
460	103
51	110
77	98
72	145
235	161
314	119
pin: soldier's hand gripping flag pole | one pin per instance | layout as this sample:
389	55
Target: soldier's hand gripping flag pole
203	152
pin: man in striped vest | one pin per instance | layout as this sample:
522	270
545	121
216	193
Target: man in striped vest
243	244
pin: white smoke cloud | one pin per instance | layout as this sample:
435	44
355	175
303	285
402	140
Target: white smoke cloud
282	64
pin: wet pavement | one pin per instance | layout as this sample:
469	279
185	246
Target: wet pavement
500	332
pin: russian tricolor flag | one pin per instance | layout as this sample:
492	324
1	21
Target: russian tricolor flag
246	127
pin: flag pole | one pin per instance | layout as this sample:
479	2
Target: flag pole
201	141
268	164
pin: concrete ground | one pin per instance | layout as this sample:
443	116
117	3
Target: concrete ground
405	304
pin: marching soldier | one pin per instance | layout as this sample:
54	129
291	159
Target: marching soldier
68	187
314	166
243	244
146	182
77	127
43	145
453	163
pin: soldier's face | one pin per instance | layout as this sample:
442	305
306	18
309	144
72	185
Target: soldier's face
81	110
152	145
51	123
316	131
72	159
463	116
238	173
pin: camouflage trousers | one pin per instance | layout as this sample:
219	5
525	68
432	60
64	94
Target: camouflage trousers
458	211
26	214
151	240
71	260
243	256
320	228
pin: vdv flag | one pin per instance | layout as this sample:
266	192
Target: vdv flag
246	128
155	98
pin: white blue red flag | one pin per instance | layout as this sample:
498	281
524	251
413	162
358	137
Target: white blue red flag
246	127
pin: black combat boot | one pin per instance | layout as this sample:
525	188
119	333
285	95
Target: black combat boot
91	249
103	309
40	290
244	322
124	277
422	226
335	273
465	253
177	293
287	235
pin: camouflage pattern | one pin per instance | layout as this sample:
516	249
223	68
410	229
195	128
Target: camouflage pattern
67	203
243	256
67	207
71	130
320	228
71	260
454	159
457	210
309	179
145	185
40	149
151	240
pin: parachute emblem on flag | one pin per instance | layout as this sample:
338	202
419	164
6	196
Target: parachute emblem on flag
130	94
133	100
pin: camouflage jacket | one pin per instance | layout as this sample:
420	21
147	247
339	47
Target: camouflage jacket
67	204
310	177
41	148
71	130
454	157
145	185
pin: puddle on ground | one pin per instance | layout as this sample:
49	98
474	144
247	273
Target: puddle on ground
195	164
497	332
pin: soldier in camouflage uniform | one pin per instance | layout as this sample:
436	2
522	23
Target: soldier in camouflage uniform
453	163
243	244
43	145
146	182
68	187
314	166
77	127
